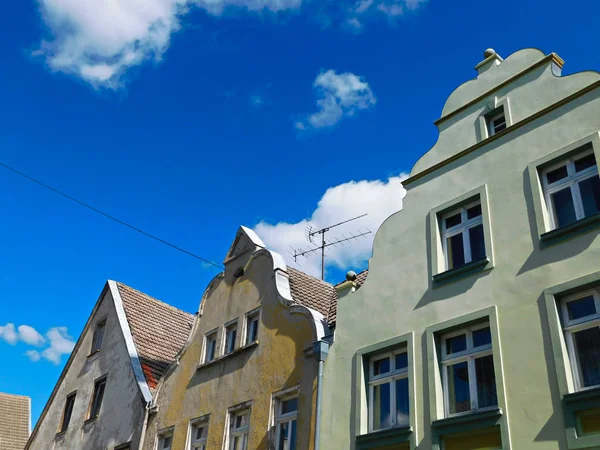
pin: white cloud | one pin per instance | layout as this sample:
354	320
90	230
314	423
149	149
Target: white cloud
379	199
8	333
30	335
33	355
99	41
60	344
340	95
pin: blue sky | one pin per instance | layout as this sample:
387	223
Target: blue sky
190	118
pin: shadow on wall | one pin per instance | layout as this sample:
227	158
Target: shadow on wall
540	257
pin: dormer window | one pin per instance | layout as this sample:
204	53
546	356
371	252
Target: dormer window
496	121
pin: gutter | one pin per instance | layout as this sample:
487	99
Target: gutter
320	350
144	426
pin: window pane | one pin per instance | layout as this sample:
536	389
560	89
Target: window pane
486	382
454	220
401	361
381	406
456	344
458	388
201	432
474	211
167	442
481	337
402	406
283	436
477	243
293	438
456	252
590	195
564	211
585	162
557	174
587	344
290	405
381	366
499	124
581	308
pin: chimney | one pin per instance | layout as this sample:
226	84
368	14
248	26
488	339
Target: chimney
491	60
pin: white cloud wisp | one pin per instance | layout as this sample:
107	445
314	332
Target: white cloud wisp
58	338
379	199
30	336
340	96
8	333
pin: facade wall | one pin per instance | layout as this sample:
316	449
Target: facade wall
122	413
399	296
251	374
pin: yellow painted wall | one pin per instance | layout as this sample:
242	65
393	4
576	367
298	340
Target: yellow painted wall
276	363
488	439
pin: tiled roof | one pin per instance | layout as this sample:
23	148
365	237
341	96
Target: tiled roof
14	421
310	291
159	331
331	316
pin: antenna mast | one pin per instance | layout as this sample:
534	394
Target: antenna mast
323	244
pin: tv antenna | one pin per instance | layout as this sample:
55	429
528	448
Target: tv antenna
311	234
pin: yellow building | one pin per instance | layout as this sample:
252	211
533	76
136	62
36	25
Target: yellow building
248	377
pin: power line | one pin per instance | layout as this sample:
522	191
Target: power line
108	216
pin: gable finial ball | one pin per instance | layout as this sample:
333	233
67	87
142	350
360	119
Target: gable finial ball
351	275
489	52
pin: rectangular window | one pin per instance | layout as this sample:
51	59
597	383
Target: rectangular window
199	435
210	346
462	235
388	391
98	336
68	411
252	327
98	395
581	325
572	189
165	440
469	381
285	423
496	121
230	336
239	423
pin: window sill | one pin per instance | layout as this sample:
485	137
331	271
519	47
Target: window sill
452	275
90	420
60	434
228	355
584	399
94	353
381	438
467	421
570	231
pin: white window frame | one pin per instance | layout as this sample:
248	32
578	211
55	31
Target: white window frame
252	316
280	418
469	355
228	328
573	326
198	444
462	228
241	431
162	435
388	377
491	118
210	336
571	181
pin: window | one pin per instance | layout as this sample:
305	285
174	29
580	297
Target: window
388	391
572	189
165	440
98	336
230	335
97	397
581	324
68	411
495	121
462	235
469	381
238	430
210	346
252	327
285	423
199	435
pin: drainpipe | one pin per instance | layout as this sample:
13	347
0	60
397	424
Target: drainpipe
320	350
144	426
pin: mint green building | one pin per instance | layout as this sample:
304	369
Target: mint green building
478	326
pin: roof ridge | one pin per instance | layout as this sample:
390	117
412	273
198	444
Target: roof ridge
154	299
6	394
